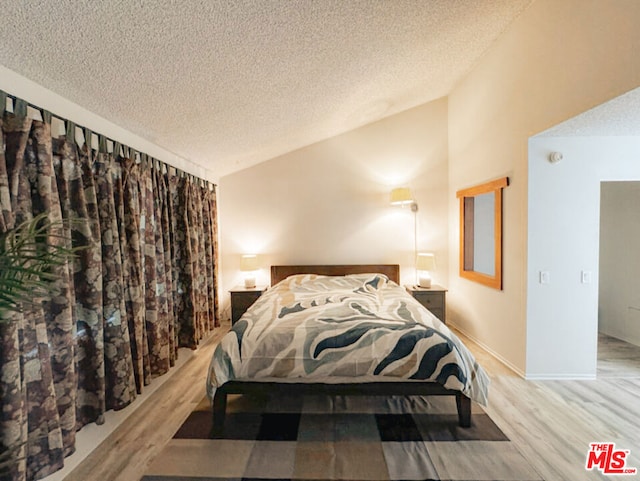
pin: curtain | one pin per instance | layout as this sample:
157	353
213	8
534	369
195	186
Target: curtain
143	283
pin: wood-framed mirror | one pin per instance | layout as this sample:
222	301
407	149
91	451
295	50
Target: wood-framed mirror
481	232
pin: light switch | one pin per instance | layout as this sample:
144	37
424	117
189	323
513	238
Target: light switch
545	277
586	277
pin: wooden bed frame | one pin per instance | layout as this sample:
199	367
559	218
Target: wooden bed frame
399	388
392	271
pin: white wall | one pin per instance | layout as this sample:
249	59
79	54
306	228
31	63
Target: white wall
619	296
558	59
329	202
19	86
564	233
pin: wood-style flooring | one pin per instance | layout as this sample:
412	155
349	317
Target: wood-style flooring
551	422
617	359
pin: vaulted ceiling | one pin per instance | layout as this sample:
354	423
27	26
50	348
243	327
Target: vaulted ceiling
230	83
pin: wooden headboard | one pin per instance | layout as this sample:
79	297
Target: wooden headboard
392	271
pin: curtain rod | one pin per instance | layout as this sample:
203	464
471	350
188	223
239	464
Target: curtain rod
49	114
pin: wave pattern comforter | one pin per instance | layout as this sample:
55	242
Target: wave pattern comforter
358	328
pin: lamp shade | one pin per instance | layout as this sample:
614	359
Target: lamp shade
426	262
401	196
249	262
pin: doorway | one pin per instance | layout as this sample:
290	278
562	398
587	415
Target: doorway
619	268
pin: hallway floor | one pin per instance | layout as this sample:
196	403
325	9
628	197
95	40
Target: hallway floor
617	358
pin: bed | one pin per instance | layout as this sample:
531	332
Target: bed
341	330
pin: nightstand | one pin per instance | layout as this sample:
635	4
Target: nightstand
433	298
242	298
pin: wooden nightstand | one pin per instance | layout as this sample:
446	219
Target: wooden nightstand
242	298
432	298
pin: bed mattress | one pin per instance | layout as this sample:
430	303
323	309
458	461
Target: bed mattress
344	329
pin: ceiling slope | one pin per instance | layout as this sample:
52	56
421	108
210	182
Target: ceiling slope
228	84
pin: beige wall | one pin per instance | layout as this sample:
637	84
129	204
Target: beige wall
329	202
558	59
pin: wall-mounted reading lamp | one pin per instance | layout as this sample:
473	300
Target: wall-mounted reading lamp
402	196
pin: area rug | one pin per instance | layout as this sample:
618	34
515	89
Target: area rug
340	438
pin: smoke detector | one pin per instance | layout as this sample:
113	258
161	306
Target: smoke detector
555	157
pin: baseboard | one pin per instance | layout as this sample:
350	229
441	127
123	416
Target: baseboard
90	436
528	377
560	377
489	350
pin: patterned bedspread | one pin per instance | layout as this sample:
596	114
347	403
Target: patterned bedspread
358	328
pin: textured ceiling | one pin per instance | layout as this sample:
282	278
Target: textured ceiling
227	84
617	117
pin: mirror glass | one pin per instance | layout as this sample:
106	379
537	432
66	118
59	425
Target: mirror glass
481	233
481	209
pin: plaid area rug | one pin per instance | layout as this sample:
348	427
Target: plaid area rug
340	438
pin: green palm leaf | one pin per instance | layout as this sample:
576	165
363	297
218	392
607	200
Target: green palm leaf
29	254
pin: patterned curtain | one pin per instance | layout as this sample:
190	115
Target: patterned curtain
143	284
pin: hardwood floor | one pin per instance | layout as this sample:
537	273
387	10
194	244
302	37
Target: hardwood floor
617	358
551	422
125	454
